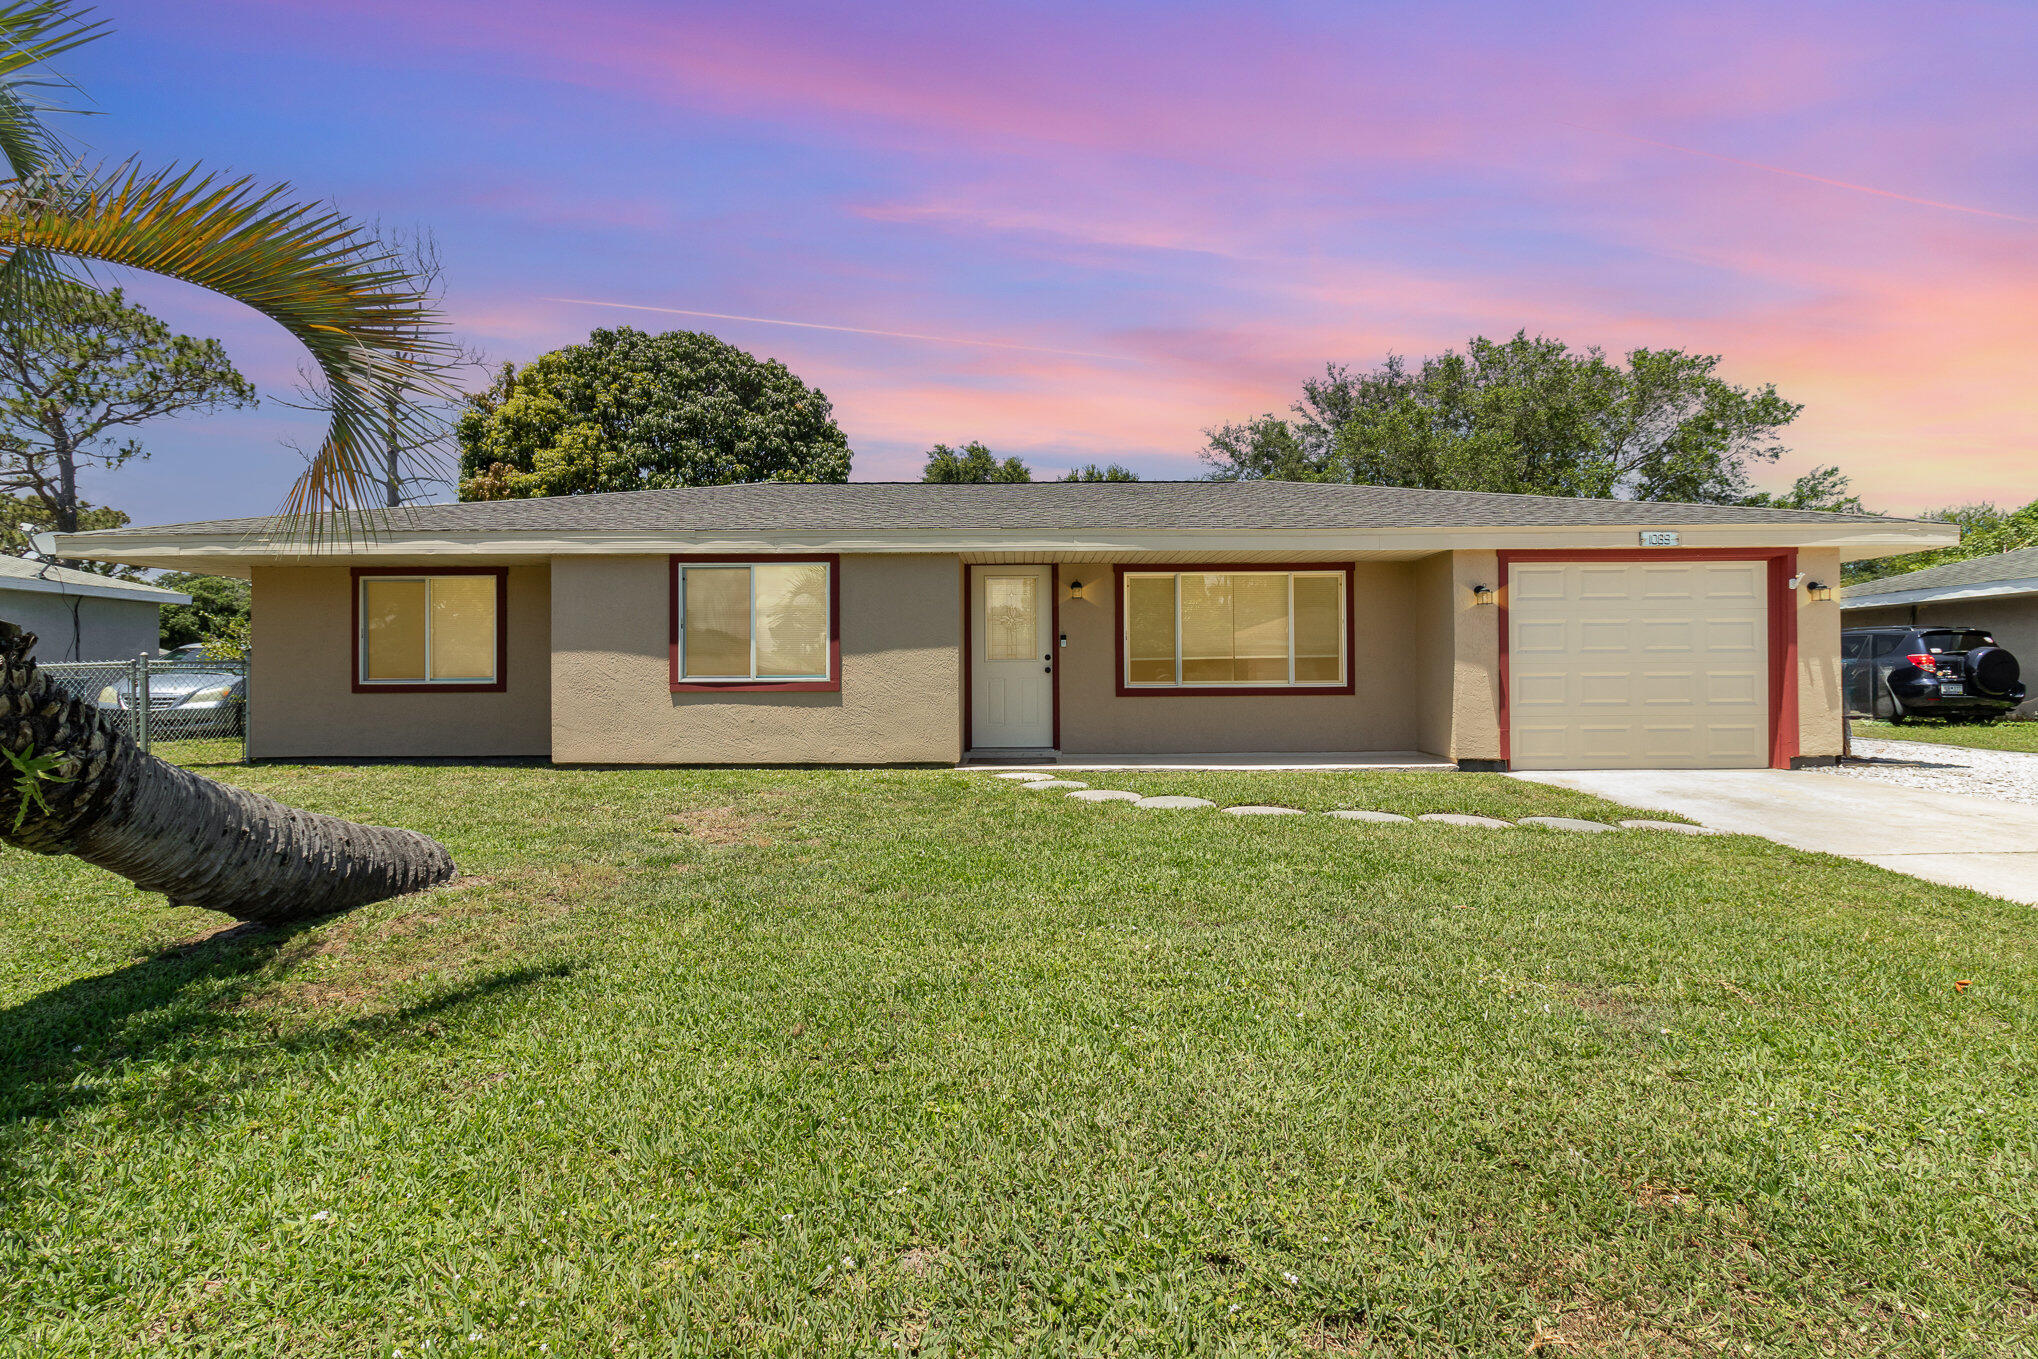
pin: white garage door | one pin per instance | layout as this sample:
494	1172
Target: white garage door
1649	665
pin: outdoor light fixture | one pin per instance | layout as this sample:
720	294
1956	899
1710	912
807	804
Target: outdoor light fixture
1075	589
1819	593
1483	594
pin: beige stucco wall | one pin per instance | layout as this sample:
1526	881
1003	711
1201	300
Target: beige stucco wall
301	702
1820	703
2012	621
1381	715
1475	661
901	631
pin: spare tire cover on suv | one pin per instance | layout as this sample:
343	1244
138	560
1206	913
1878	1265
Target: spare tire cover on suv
1993	670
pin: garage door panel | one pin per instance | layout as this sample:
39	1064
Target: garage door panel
1549	635
1596	583
1539	582
1605	635
1647	664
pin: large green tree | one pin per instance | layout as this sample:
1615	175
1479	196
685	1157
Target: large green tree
629	411
1520	415
77	374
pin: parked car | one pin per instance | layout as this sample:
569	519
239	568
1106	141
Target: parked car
1957	674
192	699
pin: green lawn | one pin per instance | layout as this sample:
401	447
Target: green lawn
920	1062
1993	736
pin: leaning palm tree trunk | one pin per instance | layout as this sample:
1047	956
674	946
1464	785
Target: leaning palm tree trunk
168	830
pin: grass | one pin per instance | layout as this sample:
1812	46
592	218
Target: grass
1989	736
919	1062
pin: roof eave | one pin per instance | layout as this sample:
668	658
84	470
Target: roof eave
235	554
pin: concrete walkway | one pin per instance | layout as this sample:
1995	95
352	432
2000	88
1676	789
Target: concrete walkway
1982	843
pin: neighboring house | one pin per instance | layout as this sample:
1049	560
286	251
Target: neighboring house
1998	594
79	616
877	623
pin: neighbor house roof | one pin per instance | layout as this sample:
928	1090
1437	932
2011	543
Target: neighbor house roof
16	573
2002	573
1048	516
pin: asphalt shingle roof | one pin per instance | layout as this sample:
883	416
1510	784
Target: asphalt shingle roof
13	569
907	507
2021	564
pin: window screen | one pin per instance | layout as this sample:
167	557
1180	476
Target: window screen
1234	629
755	621
428	629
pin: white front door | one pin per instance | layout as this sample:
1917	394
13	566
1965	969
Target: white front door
1011	657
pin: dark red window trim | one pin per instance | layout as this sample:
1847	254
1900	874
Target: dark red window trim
1118	574
501	682
832	684
1783	717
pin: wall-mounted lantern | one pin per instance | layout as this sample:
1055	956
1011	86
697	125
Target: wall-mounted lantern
1483	594
1819	594
1075	589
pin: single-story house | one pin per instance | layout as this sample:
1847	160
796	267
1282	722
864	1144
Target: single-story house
1998	594
908	623
80	616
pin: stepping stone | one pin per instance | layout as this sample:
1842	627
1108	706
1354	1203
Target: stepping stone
1104	795
1681	827
1263	811
1459	819
1565	823
1056	783
1170	800
1369	816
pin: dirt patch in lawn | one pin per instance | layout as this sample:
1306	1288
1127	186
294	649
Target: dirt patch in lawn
721	826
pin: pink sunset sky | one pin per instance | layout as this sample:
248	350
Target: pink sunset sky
1085	232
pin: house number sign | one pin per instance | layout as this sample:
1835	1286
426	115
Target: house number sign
1659	539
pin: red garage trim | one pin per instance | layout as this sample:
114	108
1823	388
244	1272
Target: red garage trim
1118	575
501	681
832	684
1783	723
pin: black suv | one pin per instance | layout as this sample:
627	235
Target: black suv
1958	674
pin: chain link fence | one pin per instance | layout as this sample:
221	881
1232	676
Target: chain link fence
167	703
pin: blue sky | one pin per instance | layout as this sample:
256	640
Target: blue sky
1129	222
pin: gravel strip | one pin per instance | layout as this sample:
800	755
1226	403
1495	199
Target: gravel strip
2009	775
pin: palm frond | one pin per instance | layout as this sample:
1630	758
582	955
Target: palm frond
377	341
31	33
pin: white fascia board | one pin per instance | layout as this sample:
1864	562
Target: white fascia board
180	549
111	590
1994	589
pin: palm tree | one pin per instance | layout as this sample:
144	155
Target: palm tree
77	785
94	793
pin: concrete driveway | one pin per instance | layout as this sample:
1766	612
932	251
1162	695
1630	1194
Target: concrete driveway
1975	842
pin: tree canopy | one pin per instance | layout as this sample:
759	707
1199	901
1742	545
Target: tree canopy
1985	530
975	463
972	463
80	371
1530	416
217	614
628	411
